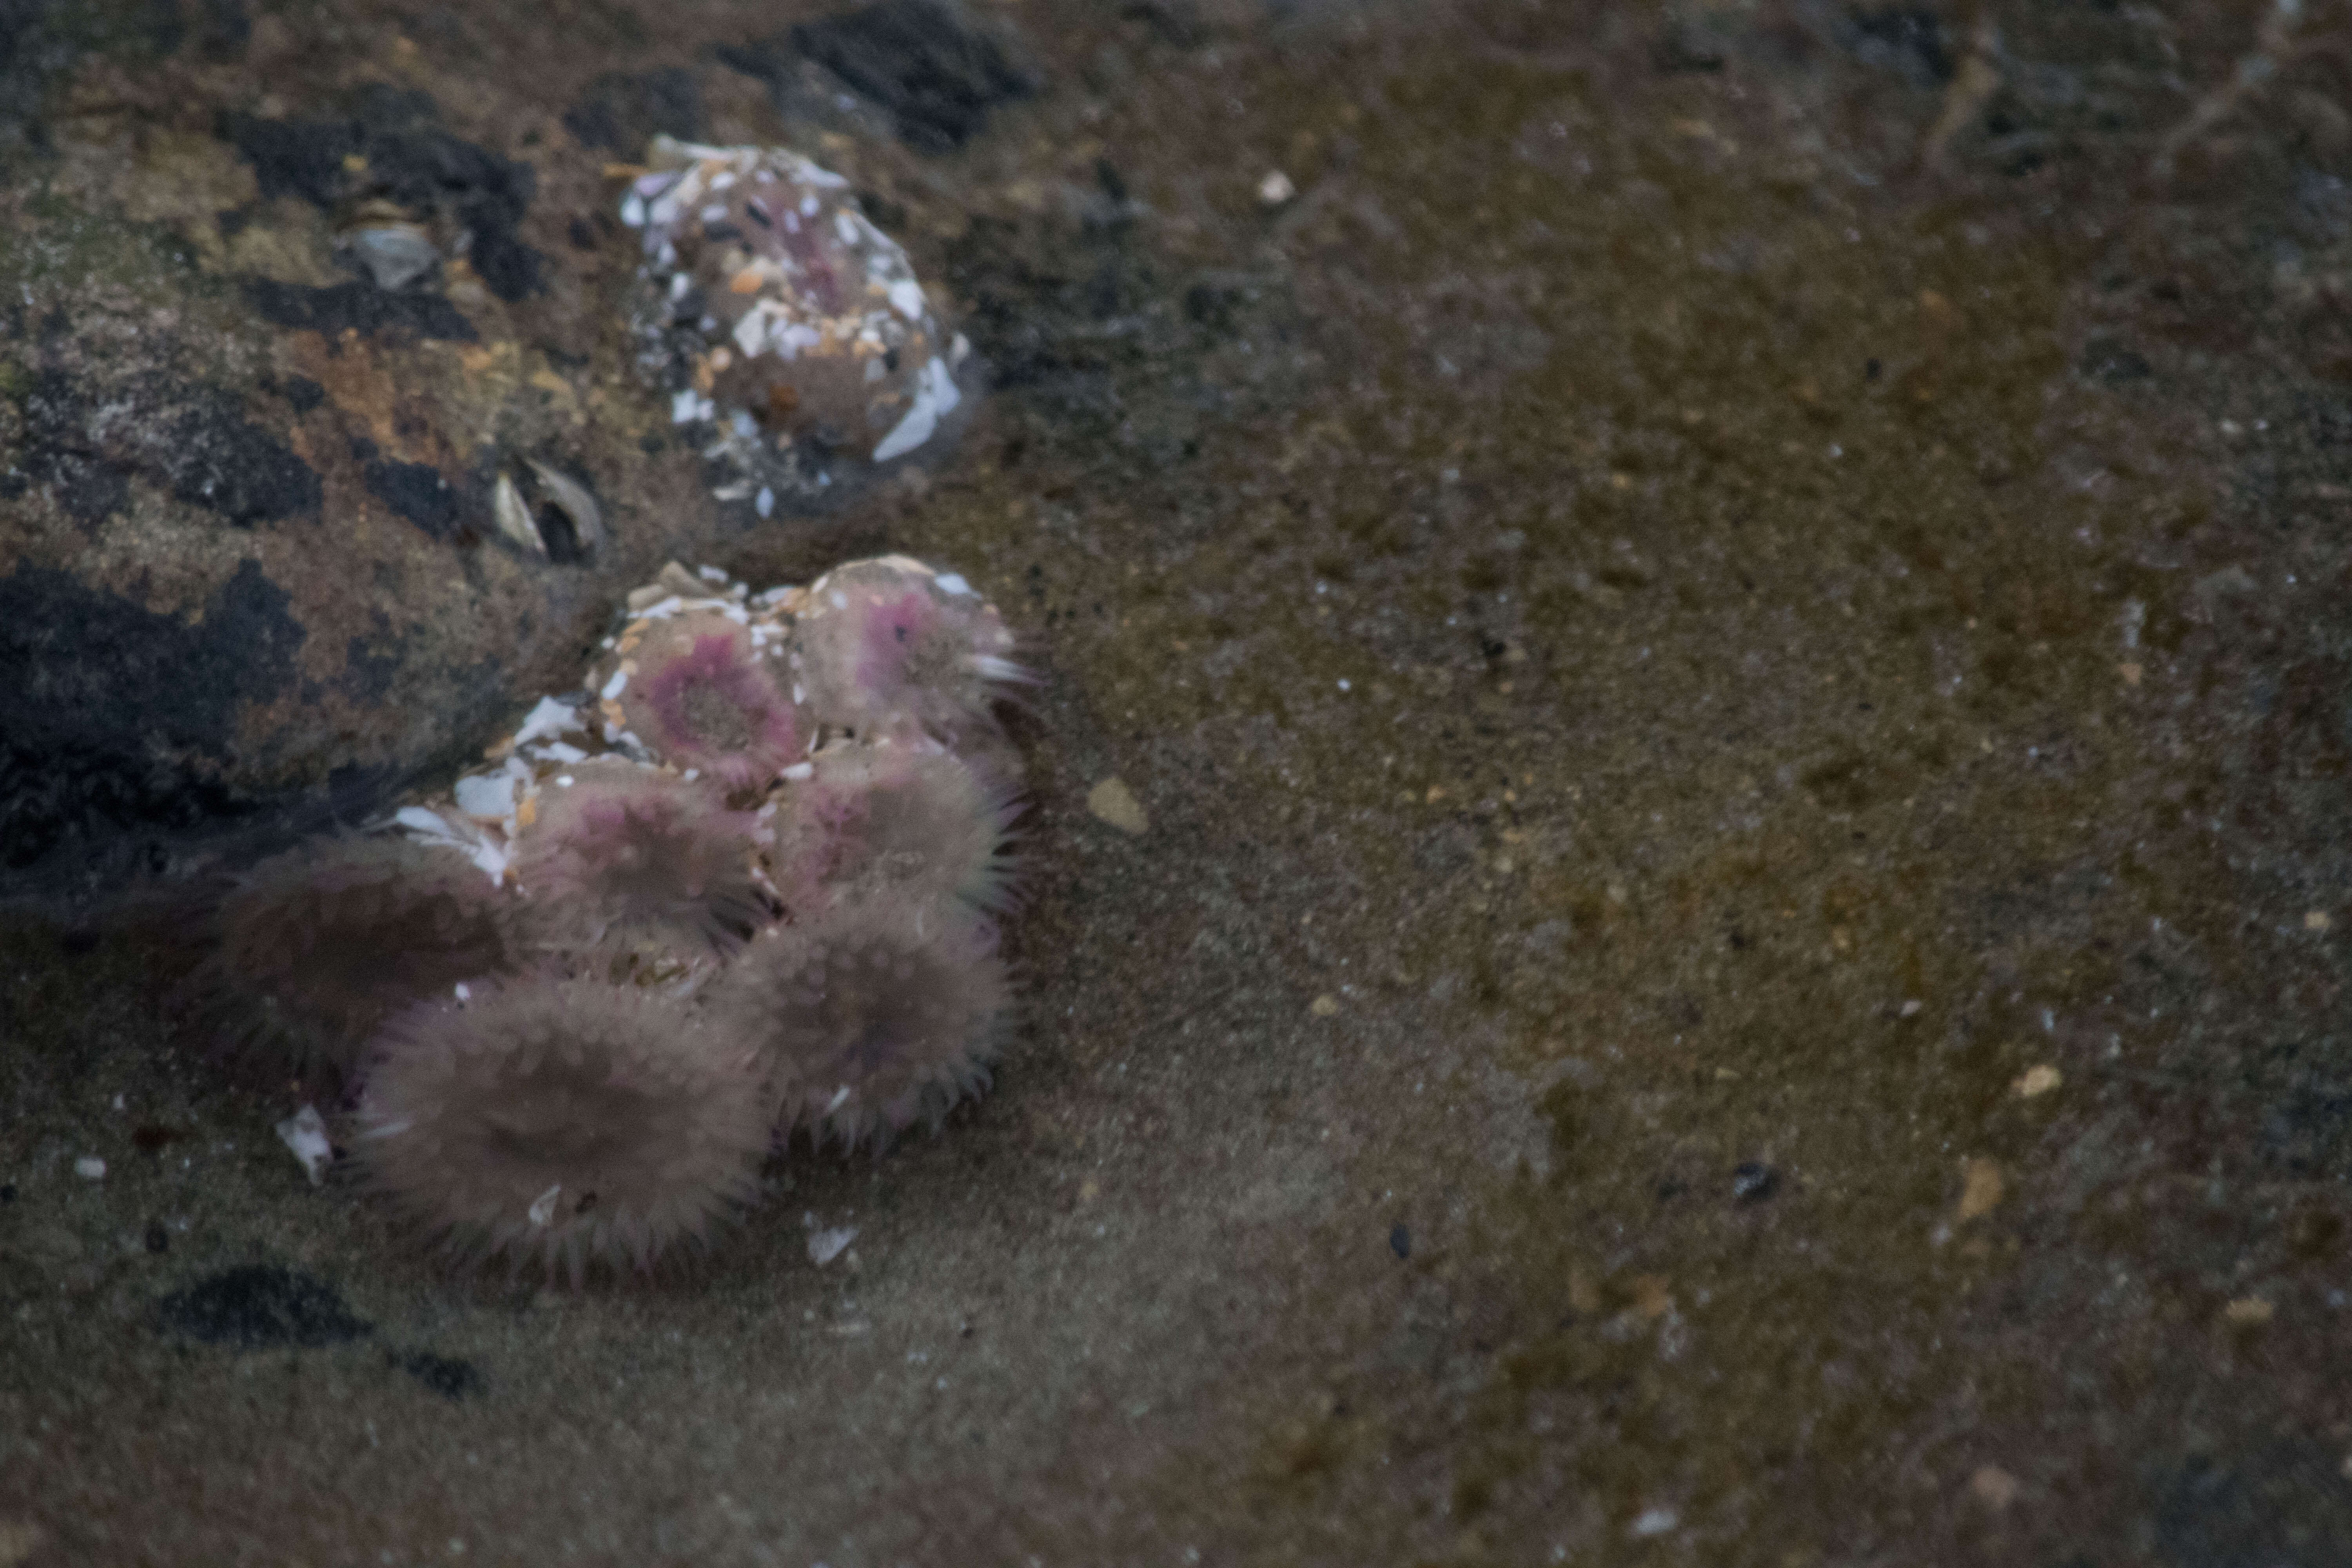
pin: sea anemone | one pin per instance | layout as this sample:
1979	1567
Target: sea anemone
313	949
622	856
887	640
703	698
873	1017
912	821
587	1123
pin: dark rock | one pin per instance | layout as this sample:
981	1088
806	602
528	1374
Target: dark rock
301	393
919	59
157	1238
113	709
294	157
621	110
1400	1241
1752	1183
417	492
261	1307
213	459
357	307
192	440
389	153
41	40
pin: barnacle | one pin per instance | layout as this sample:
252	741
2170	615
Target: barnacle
620	854
578	1122
313	949
878	1015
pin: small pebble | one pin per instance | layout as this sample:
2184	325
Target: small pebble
2035	1080
1400	1241
1980	1188
1276	188
1993	1486
91	1168
1111	801
1324	1006
1753	1183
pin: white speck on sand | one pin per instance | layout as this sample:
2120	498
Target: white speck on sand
305	1132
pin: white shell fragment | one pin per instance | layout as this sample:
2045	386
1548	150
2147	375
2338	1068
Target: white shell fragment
396	255
783	319
572	500
513	519
824	1246
305	1132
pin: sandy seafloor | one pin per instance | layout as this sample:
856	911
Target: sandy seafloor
1666	617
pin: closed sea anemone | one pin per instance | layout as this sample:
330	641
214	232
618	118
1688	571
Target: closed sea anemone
871	1017
583	1122
704	697
886	642
314	949
624	854
905	820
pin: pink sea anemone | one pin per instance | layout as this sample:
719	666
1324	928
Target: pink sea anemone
583	1123
882	641
704	697
871	1017
313	950
909	820
625	856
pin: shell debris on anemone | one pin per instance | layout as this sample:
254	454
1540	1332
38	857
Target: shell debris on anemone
676	916
783	322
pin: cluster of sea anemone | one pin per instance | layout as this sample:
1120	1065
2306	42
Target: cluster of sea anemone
744	884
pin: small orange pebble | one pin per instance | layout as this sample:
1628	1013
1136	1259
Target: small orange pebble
744	282
527	812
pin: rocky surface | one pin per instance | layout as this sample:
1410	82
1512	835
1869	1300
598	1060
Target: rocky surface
1721	632
268	354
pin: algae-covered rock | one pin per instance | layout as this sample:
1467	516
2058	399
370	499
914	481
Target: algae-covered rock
323	433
